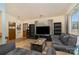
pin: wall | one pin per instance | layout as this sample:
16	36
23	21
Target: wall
1	8
10	18
0	23
40	20
62	20
3	22
44	21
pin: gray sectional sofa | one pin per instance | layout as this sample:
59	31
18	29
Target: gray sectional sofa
65	43
10	49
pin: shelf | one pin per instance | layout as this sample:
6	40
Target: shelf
57	28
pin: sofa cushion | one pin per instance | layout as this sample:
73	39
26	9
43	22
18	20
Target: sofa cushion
19	51
72	40
57	41
35	53
64	48
61	36
51	51
65	39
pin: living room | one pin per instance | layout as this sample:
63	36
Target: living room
39	29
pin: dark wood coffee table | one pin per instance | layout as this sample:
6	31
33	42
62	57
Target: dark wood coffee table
38	45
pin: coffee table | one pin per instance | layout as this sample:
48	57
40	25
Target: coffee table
38	45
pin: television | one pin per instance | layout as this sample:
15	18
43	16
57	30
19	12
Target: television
42	30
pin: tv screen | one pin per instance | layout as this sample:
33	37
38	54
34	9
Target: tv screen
43	30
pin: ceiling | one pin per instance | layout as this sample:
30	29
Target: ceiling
36	10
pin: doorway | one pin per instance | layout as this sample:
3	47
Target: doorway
25	26
12	31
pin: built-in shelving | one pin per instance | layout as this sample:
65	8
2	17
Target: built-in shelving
57	28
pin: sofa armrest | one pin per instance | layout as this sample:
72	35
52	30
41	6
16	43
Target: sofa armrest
59	47
5	48
51	51
69	49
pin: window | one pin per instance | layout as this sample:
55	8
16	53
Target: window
75	21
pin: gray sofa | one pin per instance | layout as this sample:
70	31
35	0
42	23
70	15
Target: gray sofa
5	48
19	51
65	43
10	49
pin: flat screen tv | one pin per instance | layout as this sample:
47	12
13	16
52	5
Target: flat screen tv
42	30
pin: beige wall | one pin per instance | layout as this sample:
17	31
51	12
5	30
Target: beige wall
10	18
45	21
7	19
62	20
42	20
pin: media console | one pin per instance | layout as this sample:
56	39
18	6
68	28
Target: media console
48	37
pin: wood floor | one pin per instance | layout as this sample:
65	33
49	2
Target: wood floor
25	43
